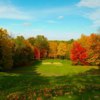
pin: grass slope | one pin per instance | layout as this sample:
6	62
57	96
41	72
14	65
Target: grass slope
61	82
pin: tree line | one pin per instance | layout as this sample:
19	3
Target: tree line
19	51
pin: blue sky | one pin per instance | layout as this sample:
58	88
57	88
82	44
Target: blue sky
56	19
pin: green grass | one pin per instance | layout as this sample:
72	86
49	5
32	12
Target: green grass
78	82
59	70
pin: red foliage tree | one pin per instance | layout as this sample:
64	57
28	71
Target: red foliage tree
36	53
78	54
43	53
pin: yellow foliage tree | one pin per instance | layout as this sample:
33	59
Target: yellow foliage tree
62	49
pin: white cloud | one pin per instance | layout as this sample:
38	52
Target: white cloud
9	11
94	14
50	12
56	10
95	17
89	3
51	21
98	30
26	24
60	17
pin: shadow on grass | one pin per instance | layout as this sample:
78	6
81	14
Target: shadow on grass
83	86
18	79
91	76
94	71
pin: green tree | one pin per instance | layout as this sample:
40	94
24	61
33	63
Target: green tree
24	52
69	47
31	40
42	44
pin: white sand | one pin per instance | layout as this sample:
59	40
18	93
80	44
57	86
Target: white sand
52	63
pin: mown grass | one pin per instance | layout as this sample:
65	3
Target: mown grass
51	81
65	68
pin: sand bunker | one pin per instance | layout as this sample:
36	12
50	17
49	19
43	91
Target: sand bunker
52	63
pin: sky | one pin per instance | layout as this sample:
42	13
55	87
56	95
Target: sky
55	19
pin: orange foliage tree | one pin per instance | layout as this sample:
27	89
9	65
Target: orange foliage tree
53	49
92	45
94	49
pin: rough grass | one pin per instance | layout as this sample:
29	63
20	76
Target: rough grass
48	82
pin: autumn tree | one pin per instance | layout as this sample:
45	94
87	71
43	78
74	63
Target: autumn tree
78	54
53	49
91	43
6	55
94	49
36	53
62	49
83	40
41	43
24	52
